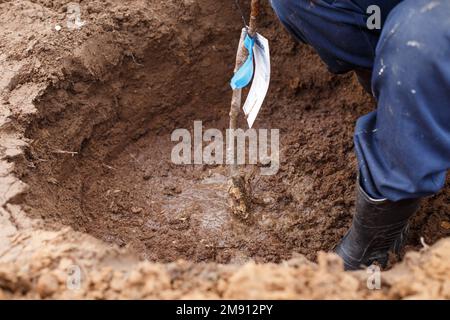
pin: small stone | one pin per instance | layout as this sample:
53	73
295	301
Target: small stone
65	263
147	176
58	27
445	225
47	285
172	190
120	16
117	283
136	210
52	181
135	278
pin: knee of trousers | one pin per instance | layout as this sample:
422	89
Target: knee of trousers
410	79
414	47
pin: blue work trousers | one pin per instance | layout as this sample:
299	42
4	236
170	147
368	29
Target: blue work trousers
403	147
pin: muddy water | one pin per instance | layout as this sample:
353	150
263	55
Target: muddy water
167	212
206	204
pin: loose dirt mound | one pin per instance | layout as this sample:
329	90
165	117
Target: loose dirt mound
86	119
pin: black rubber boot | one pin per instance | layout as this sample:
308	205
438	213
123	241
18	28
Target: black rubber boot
378	227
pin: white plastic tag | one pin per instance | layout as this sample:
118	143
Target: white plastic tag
261	79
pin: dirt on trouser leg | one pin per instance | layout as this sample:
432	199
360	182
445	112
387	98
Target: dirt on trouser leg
95	109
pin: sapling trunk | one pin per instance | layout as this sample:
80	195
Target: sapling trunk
238	190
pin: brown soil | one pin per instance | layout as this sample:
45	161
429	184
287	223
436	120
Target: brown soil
86	119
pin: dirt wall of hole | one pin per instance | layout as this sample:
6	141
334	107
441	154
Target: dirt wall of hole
118	98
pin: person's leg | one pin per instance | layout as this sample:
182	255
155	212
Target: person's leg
403	147
337	29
